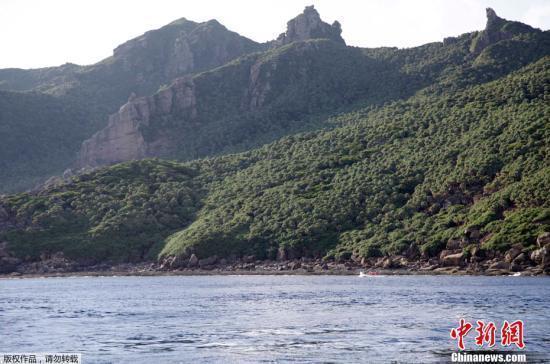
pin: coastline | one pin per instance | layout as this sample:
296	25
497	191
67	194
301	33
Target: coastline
151	270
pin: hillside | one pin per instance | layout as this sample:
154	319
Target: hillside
457	177
138	67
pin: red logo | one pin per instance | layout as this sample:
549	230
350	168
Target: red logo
486	333
460	332
510	333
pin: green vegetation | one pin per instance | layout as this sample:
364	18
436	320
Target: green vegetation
118	214
416	172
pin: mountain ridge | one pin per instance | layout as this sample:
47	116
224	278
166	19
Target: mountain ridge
101	149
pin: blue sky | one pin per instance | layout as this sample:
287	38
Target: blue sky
38	33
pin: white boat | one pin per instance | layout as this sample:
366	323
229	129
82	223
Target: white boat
369	274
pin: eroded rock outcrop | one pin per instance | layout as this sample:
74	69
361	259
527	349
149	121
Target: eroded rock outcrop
123	139
309	25
497	29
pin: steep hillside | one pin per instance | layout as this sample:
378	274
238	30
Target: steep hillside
415	173
463	176
246	103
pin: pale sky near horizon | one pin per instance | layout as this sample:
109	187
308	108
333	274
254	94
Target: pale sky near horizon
37	33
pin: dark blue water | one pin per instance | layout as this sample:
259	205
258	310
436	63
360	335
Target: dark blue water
263	318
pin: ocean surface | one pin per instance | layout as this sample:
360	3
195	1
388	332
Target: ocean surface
211	319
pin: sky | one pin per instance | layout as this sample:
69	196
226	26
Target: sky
40	33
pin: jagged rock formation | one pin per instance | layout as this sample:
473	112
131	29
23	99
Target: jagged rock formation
497	29
123	140
309	25
252	93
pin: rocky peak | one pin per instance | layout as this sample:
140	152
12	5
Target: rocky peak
497	29
491	16
309	25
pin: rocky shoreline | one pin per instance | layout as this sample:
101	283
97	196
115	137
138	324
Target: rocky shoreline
294	267
453	260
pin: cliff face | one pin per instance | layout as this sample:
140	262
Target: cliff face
155	58
265	95
309	25
122	139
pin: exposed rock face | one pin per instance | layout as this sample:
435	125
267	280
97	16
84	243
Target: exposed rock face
542	257
497	29
513	253
123	137
256	88
309	25
164	124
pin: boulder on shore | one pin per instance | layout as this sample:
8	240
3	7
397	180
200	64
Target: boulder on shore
513	253
455	259
500	265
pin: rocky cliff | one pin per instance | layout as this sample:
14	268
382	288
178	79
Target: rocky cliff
257	98
123	140
265	95
145	127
